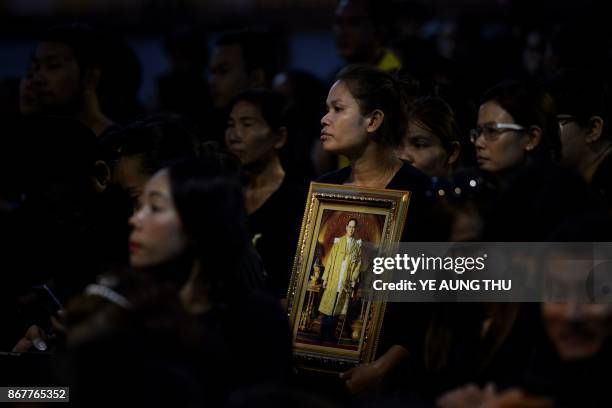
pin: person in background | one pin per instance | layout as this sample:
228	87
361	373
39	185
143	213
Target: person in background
184	89
256	132
517	146
239	60
583	106
67	68
431	142
360	32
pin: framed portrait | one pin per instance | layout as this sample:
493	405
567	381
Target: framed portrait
334	327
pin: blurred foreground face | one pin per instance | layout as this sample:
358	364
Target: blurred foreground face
56	76
578	327
577	330
157	234
228	74
424	150
249	136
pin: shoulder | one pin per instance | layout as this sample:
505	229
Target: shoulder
409	178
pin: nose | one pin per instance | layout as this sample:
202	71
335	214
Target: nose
233	135
325	120
136	219
480	141
37	78
405	153
574	312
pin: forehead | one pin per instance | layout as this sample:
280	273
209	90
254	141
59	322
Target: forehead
340	92
227	54
160	182
491	111
53	49
352	223
418	128
244	108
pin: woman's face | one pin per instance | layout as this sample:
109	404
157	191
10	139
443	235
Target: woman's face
577	330
424	150
504	148
249	136
157	234
344	128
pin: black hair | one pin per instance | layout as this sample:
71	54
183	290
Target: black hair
92	48
437	116
158	139
581	93
271	104
259	49
530	105
376	89
88	45
208	198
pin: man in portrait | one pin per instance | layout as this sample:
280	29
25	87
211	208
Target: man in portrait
339	279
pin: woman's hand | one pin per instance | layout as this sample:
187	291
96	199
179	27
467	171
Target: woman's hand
467	396
369	377
364	378
34	338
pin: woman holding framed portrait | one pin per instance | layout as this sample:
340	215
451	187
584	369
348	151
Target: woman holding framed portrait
365	121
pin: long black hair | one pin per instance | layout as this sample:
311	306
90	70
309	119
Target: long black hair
208	197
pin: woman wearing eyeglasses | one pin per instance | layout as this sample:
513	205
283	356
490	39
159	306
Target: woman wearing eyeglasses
516	126
517	143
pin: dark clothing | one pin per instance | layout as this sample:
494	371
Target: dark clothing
274	229
408	178
536	201
601	184
253	344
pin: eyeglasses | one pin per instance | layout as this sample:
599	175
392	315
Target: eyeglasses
565	119
492	131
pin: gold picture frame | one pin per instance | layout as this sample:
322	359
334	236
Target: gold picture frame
333	327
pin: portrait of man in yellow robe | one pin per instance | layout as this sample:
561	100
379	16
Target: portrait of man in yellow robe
339	278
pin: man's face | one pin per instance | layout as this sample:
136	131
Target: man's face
354	32
350	228
249	136
56	76
573	145
228	74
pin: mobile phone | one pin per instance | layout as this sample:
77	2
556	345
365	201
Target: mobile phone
49	301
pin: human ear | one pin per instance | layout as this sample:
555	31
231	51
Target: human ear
101	177
535	136
454	154
375	120
594	129
282	137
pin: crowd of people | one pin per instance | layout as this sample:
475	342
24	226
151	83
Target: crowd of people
148	248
